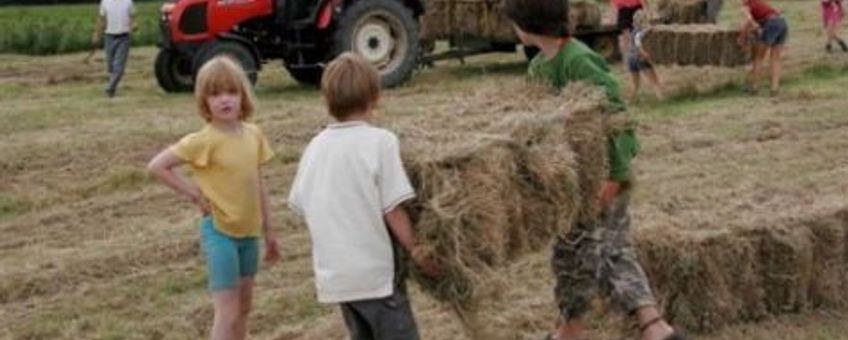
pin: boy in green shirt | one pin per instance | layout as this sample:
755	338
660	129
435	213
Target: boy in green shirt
596	257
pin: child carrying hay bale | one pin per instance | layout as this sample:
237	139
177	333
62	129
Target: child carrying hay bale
488	198
697	45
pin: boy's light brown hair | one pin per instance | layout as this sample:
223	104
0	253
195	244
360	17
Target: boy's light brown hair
350	85
221	75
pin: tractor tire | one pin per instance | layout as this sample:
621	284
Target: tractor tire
236	50
173	71
384	32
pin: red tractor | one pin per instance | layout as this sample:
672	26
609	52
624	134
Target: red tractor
302	33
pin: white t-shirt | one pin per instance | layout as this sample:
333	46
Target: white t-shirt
118	15
350	175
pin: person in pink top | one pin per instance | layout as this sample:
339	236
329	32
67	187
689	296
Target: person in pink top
624	11
832	13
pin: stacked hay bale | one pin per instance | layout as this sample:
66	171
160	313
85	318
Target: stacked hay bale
681	11
481	19
697	45
497	181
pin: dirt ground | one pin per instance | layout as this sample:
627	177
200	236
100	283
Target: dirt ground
92	248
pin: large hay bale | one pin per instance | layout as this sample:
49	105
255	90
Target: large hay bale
481	19
707	280
698	45
501	182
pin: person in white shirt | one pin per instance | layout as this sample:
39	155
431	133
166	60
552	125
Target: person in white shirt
115	21
349	188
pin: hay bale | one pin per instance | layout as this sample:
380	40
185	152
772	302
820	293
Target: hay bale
708	280
787	261
498	185
701	51
681	12
436	22
698	45
584	14
481	19
830	268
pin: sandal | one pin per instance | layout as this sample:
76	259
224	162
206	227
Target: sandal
675	334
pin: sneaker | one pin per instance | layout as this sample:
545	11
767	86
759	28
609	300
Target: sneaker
828	48
843	46
110	93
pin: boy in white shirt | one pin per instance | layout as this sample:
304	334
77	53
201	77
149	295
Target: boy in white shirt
349	188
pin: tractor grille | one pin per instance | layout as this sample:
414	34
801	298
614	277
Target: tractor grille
194	19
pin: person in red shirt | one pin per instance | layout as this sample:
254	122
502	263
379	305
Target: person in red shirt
772	31
625	10
832	13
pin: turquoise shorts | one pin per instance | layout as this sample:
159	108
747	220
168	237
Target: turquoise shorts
228	259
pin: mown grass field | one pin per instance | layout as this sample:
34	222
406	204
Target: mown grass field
40	30
92	248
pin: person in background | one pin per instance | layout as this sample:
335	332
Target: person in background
832	13
639	61
116	22
624	11
772	31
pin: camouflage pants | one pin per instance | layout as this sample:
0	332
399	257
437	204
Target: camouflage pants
599	258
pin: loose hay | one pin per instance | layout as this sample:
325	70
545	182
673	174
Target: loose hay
698	45
496	182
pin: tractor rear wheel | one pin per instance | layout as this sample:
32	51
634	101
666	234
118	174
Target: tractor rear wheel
385	33
173	71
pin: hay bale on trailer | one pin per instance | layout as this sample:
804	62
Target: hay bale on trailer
457	19
681	11
501	182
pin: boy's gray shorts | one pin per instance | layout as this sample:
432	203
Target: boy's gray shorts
388	318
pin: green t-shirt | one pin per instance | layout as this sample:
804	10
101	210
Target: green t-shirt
576	62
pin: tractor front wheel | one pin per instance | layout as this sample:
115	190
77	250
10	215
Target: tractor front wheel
385	33
173	71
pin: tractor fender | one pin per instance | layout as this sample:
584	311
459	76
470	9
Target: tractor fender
226	36
325	15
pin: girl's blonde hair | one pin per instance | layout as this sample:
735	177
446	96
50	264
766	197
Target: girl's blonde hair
641	19
219	75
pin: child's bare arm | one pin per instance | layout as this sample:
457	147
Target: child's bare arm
163	165
272	249
401	227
